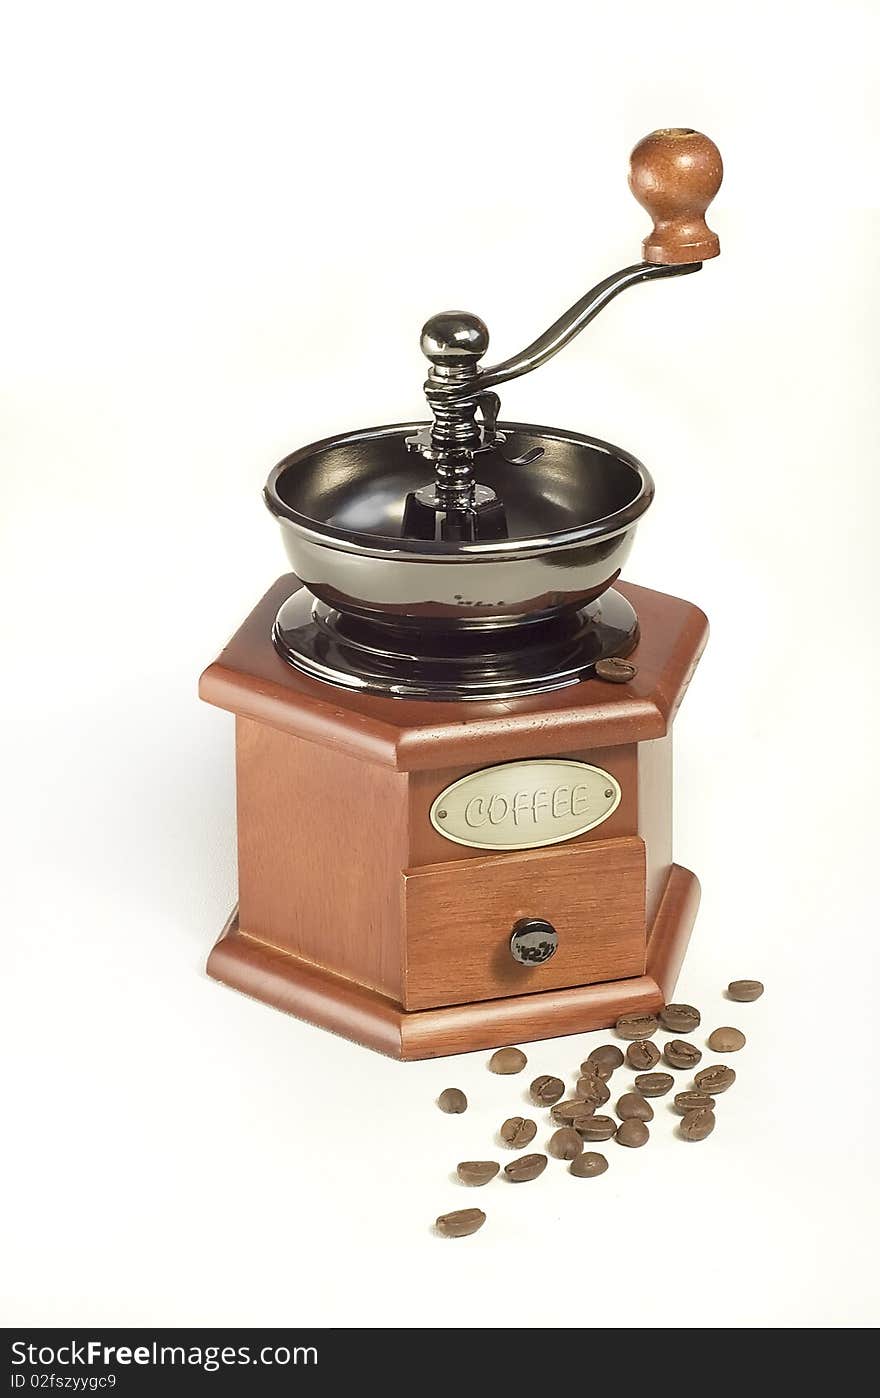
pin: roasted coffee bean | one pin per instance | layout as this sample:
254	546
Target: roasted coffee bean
517	1131
588	1164
595	1128
599	1072
745	991
593	1091
477	1171
637	1026
633	1107
616	670
680	1054
526	1167
681	1019
452	1100
642	1054
654	1084
460	1223
685	1102
565	1143
564	1113
696	1126
726	1040
716	1079
546	1090
632	1133
508	1060
606	1058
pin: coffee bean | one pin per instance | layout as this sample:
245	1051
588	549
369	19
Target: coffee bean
517	1131
564	1113
599	1072
654	1084
685	1102
595	1128
593	1091
680	1054
633	1107
745	991
616	670
696	1126
681	1019
508	1060
452	1100
607	1057
632	1133
588	1164
642	1055
726	1040
637	1026
716	1079
546	1090
526	1167
565	1143
477	1171
461	1223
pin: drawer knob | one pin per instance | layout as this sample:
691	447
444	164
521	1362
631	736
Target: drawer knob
533	941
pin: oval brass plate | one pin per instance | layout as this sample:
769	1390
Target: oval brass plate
524	805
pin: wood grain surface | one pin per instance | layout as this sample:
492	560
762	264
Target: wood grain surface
368	1018
458	920
675	174
322	838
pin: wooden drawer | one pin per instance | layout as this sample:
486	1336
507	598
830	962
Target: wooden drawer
458	918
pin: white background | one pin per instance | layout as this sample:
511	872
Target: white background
222	228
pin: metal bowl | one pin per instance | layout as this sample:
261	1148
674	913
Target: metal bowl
571	516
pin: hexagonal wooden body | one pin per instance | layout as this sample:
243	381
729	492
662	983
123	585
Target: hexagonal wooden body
357	914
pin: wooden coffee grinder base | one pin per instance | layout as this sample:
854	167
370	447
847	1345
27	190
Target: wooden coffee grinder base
356	914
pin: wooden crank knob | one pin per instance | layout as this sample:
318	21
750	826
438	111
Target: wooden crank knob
675	174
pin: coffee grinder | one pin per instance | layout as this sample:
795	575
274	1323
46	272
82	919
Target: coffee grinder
454	721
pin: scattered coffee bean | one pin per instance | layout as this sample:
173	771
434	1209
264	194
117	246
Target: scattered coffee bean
526	1167
616	670
633	1107
632	1133
637	1026
685	1102
716	1079
597	1071
477	1171
546	1090
593	1091
517	1131
508	1060
595	1128
607	1058
654	1084
726	1040
680	1054
461	1223
565	1143
452	1100
680	1019
642	1055
588	1164
564	1113
696	1126
745	991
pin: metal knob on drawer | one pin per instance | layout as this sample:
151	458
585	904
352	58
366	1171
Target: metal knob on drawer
533	941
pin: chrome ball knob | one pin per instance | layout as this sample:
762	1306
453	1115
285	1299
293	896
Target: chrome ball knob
454	339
